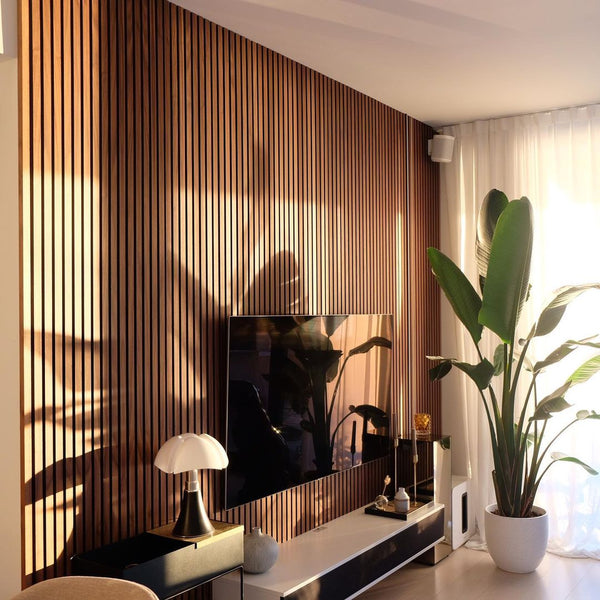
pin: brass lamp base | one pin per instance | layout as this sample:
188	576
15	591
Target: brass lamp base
193	520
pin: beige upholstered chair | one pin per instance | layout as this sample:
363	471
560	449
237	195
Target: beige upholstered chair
86	588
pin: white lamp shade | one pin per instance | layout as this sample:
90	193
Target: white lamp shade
189	451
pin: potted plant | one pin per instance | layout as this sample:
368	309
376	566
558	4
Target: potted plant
520	450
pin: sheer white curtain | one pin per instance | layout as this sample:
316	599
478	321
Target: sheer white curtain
554	159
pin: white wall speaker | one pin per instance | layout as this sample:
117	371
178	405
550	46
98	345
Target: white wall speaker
440	148
463	516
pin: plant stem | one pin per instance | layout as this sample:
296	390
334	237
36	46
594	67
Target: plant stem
337	427
334	395
507	407
543	454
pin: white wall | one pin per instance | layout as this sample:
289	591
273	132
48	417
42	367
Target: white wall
8	28
10	422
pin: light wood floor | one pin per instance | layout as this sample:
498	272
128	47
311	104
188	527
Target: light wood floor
471	575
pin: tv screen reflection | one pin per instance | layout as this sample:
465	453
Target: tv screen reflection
307	396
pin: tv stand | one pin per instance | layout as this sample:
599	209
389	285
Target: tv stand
342	558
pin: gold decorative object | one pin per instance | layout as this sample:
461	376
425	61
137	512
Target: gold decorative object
423	425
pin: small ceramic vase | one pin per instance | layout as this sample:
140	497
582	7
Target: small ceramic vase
260	551
401	501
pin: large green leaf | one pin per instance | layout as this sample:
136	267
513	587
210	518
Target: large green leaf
462	296
564	350
440	371
588	369
545	409
560	457
556	355
481	373
499	359
507	279
586	342
553	402
552	314
491	208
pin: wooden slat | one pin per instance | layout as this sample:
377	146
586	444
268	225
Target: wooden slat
424	292
175	173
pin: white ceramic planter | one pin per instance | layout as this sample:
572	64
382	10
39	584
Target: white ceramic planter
516	545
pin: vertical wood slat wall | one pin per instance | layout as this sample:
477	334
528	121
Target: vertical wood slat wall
423	290
174	173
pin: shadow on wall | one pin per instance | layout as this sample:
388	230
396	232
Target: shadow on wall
147	360
96	428
135	262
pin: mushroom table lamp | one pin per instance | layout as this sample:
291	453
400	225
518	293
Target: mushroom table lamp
190	452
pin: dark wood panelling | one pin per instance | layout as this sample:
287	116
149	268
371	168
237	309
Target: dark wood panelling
423	291
175	173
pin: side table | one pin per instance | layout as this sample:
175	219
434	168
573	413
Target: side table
166	564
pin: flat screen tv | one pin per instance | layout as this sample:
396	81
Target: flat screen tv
307	396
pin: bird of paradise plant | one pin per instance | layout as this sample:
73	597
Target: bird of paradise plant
503	253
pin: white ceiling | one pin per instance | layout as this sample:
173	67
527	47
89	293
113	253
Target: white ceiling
440	61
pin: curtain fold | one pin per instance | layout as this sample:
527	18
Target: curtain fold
554	159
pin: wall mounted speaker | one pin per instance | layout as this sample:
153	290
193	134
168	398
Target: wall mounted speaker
440	148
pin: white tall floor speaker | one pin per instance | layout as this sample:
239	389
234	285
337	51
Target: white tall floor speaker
463	516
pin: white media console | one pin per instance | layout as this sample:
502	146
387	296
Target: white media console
342	558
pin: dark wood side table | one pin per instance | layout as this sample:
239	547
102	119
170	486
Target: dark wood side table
166	564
